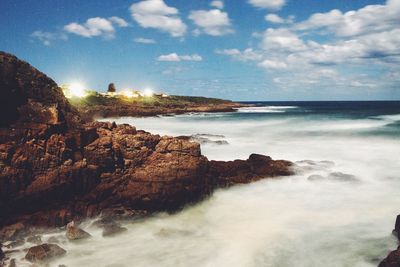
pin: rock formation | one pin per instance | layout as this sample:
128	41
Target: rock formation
393	259
44	252
55	168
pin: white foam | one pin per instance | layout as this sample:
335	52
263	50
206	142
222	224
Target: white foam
266	109
275	222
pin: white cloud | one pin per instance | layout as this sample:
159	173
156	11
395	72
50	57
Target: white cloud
247	55
351	44
157	15
45	37
282	39
273	64
96	27
119	21
213	22
174	57
274	18
217	4
144	40
371	18
268	4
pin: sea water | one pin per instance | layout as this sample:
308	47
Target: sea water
338	210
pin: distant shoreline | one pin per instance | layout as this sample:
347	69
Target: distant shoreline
99	106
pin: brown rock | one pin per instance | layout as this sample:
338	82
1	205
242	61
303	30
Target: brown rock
54	168
44	252
75	233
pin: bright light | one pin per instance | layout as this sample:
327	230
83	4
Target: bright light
74	90
129	93
148	92
77	89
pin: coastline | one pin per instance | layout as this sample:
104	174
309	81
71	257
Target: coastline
99	106
56	169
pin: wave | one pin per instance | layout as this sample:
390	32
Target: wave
266	109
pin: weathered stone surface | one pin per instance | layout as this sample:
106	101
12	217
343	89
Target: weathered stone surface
54	168
75	233
256	167
44	252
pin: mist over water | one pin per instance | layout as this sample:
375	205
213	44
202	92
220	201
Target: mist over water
338	210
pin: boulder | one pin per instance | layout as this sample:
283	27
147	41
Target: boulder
44	252
75	233
392	260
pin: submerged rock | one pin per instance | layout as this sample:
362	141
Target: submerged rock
113	229
75	233
44	252
34	239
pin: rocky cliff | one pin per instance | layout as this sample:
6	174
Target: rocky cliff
54	167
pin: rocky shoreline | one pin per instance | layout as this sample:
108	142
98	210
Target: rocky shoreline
393	259
55	167
96	105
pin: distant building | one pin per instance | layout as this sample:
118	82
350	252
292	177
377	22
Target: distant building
111	88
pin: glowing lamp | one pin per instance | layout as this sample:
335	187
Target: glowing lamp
148	92
76	90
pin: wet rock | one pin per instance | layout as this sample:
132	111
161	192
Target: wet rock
1	253
396	230
206	139
34	239
75	233
392	260
17	243
256	167
112	229
343	177
13	263
12	232
44	252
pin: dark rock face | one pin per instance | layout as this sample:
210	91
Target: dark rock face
54	168
44	252
1	254
393	259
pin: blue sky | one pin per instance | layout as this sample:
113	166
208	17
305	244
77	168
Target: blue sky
235	49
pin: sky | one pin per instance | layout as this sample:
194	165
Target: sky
268	50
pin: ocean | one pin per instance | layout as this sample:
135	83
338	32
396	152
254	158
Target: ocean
338	210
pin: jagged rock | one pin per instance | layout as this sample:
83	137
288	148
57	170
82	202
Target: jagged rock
12	232
54	168
44	252
75	233
396	230
256	167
